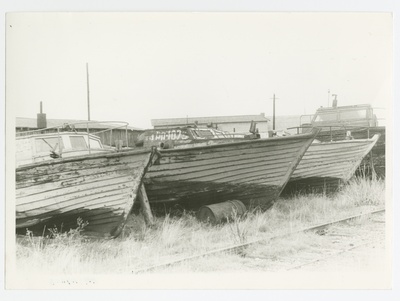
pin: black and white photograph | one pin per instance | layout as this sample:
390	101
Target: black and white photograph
199	150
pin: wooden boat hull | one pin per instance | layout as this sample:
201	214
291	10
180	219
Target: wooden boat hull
99	189
377	153
252	171
327	165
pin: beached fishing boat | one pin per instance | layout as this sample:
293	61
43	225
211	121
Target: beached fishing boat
357	121
71	176
206	166
327	165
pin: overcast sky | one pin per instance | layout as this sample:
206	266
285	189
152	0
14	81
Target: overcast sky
163	65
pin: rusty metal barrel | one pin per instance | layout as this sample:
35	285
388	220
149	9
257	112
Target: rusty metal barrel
221	212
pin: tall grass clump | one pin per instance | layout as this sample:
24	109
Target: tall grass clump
363	191
54	247
171	231
305	209
239	227
54	236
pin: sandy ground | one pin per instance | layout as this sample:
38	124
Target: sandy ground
369	257
350	255
361	248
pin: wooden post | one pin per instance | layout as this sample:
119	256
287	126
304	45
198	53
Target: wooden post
372	167
145	206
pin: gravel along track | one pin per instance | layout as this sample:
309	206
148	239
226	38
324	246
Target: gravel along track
355	245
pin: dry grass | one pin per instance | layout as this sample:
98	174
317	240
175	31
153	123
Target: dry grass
176	237
363	192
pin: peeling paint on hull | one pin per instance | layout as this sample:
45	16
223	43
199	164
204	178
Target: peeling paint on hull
99	188
252	171
327	165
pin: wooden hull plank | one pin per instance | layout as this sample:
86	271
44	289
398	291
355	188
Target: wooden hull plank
253	172
100	189
325	166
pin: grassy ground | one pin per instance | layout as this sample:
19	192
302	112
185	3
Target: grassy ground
175	237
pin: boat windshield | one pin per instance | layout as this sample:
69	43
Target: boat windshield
48	144
95	144
206	134
326	117
78	142
354	114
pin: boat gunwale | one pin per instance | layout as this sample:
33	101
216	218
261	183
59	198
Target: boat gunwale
93	156
372	139
307	135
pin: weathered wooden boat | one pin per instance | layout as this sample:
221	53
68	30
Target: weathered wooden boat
374	162
327	165
206	166
96	185
357	121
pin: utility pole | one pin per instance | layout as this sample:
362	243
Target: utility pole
273	116
87	84
273	112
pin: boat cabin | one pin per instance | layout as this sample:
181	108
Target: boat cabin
344	116
41	147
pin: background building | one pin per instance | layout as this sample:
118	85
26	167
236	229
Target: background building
238	124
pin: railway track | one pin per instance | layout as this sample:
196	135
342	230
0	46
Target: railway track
335	232
343	244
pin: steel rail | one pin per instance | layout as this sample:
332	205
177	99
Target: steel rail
239	247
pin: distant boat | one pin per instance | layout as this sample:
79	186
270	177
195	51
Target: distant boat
359	121
204	166
65	180
327	165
